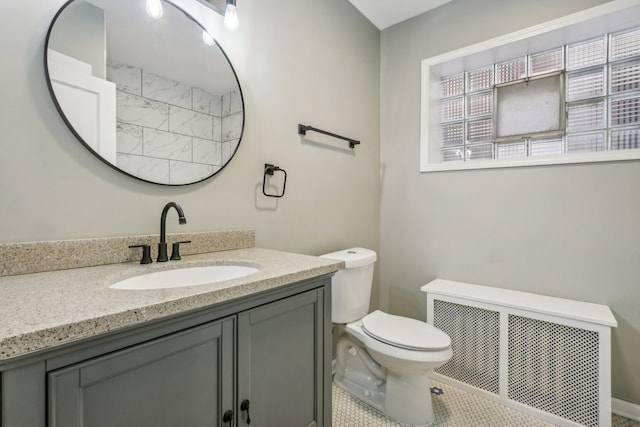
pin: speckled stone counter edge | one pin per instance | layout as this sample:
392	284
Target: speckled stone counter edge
36	257
48	309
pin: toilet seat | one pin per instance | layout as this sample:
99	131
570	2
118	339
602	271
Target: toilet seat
404	332
406	355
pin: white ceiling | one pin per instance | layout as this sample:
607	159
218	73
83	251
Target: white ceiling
175	36
385	13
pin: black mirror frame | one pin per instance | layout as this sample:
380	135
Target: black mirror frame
77	135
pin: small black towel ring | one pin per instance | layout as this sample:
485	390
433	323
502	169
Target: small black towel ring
270	170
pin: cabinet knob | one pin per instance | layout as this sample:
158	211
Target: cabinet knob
244	406
227	417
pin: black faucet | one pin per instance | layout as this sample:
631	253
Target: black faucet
162	246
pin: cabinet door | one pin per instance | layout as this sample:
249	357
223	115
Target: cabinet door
184	379
281	362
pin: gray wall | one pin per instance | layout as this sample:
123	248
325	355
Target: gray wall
298	61
566	231
88	20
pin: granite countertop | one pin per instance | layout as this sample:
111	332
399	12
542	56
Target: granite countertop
47	309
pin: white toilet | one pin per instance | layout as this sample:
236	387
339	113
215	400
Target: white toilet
382	359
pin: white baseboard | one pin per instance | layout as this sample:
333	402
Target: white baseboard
625	409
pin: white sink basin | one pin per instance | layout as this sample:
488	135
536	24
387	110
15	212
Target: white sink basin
182	277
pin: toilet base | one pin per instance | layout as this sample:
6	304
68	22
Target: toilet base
358	374
374	400
413	408
406	399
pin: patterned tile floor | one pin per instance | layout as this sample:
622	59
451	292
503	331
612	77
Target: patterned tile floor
453	408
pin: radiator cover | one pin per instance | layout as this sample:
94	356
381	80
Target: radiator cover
546	356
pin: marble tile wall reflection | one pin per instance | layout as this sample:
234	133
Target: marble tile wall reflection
127	78
189	122
171	132
166	90
231	127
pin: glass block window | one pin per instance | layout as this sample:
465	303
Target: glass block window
453	134
546	62
625	111
622	139
585	116
480	152
481	79
452	154
547	147
452	109
586	84
479	104
516	150
601	79
479	131
586	143
510	71
625	44
625	76
452	86
587	54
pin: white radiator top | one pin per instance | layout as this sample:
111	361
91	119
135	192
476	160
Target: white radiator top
566	308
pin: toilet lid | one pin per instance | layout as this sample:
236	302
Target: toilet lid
404	332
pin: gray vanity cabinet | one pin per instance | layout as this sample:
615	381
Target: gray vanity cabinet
185	379
267	359
279	372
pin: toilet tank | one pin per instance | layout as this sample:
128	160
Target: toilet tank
351	286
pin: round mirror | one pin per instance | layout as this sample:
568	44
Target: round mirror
145	88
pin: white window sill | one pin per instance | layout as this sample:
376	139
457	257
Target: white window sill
608	156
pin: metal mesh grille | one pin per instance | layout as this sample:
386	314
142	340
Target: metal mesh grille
474	336
554	368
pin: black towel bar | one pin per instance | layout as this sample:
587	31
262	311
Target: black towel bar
302	130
